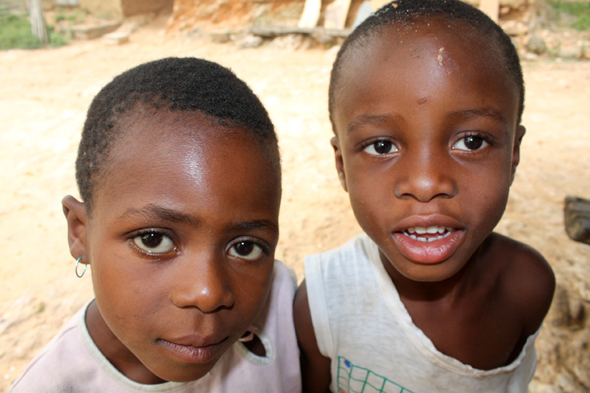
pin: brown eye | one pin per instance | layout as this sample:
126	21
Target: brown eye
472	142
154	242
381	147
247	250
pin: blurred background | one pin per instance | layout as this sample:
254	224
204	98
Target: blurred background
55	55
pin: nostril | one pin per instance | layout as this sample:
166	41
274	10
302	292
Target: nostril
207	296
425	188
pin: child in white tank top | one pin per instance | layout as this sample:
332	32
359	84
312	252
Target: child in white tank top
426	98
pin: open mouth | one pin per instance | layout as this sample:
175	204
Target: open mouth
428	245
428	234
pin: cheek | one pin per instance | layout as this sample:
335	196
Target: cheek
121	294
251	292
485	199
369	200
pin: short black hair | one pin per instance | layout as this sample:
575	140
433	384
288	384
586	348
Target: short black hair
407	11
172	84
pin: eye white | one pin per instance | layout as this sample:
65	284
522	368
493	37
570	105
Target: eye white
155	243
380	148
247	250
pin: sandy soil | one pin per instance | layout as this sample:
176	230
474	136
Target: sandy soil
43	98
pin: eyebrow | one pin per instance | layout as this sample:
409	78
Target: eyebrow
468	113
480	112
152	212
370	119
256	224
158	212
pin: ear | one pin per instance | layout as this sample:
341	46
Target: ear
518	135
77	226
339	162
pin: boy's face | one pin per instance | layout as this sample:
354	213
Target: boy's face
427	145
182	241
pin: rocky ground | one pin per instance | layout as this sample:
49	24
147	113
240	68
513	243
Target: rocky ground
43	98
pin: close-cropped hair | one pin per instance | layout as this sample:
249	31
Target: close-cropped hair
170	84
404	12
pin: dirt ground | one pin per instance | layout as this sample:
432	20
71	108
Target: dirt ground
44	95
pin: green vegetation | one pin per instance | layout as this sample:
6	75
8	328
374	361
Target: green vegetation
73	17
15	33
579	10
57	39
582	23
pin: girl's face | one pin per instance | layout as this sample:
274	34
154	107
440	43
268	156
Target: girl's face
181	241
427	145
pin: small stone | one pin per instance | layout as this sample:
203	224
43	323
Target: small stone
220	37
577	312
115	38
289	41
250	41
560	312
515	28
570	52
194	33
19	353
536	45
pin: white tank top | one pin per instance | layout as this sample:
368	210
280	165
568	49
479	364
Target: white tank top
363	327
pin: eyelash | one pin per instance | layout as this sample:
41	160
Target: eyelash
485	137
365	144
264	248
148	231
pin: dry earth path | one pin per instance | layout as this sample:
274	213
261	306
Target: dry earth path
43	98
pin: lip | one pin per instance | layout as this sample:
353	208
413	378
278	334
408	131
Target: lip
427	221
432	252
194	349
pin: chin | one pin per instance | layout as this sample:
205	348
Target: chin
184	377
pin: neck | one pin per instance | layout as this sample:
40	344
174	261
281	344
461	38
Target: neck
113	349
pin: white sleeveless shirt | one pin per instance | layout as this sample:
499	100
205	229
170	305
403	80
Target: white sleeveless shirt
363	327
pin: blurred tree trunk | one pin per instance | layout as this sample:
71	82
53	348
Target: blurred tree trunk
38	25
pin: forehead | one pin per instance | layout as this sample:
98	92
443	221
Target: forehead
421	61
182	156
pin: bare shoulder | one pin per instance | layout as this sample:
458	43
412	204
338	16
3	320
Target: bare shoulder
315	368
302	317
526	279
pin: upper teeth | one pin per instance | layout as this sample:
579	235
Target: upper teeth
430	230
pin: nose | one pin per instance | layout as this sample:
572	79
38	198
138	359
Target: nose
424	177
203	284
